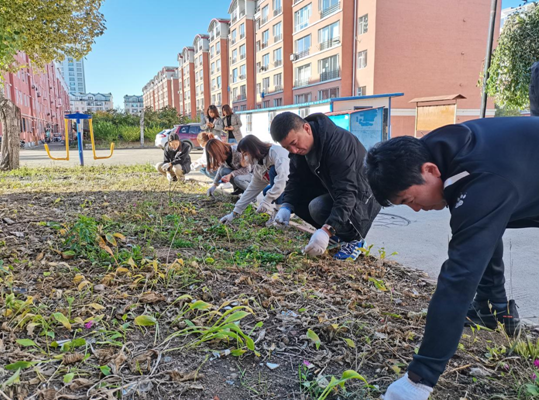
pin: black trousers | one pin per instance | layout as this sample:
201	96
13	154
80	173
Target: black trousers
492	285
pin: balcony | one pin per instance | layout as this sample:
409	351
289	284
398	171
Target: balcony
277	12
330	10
278	37
329	43
303	54
278	63
302	82
328	75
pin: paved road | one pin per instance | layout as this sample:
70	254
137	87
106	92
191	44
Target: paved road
421	239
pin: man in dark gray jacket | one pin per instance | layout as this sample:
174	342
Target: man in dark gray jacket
327	186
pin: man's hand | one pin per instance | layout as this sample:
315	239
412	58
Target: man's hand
228	218
405	389
282	217
226	178
211	190
265	207
318	243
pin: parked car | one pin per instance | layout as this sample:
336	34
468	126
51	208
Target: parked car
161	138
188	133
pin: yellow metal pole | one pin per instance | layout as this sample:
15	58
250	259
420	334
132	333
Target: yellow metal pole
93	143
66	158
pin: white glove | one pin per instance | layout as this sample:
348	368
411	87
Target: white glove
405	389
228	218
265	207
318	243
283	216
166	166
211	190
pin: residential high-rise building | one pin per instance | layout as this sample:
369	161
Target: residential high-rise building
242	54
186	60
91	102
274	45
41	95
219	73
73	72
162	90
202	72
133	104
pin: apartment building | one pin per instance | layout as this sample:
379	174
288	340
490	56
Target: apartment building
91	102
242	54
202	72
162	90
133	104
274	45
74	75
219	72
186	60
41	95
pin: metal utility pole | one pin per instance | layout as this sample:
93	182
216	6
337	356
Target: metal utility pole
492	26
142	129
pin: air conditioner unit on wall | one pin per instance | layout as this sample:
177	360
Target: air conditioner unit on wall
293	57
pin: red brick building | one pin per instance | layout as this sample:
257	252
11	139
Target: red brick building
42	96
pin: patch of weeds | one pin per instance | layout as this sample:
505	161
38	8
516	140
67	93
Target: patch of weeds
253	256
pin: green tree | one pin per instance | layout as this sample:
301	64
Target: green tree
518	48
46	30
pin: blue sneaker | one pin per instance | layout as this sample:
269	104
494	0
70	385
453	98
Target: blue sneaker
350	250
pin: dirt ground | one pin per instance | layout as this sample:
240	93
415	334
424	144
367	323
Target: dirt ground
115	284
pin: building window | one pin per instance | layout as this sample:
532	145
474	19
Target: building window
218	82
329	68
328	7
363	24
277	102
265	84
242	52
212	67
277	32
362	91
265	39
242	71
234	75
301	18
265	13
218	48
265	60
328	36
266	104
362	59
302	46
328	94
303	98
249	118
271	116
234	56
304	112
278	57
243	92
303	75
233	38
243	107
211	51
278	81
277	7
242	31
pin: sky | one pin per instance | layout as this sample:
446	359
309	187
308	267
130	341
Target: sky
142	36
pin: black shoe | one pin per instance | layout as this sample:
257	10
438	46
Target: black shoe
237	192
487	315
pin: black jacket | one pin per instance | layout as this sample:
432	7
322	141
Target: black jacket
490	170
534	90
180	156
336	161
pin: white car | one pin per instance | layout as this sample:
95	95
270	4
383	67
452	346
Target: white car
161	138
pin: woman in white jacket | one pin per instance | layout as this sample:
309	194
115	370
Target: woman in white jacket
270	168
203	138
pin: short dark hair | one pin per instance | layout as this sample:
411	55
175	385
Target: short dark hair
283	123
173	136
394	166
255	147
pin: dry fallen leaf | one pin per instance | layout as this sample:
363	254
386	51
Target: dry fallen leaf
80	383
72	358
184	377
151	297
118	361
105	355
143	361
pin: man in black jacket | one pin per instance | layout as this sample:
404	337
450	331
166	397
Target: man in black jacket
327	186
534	90
177	161
486	172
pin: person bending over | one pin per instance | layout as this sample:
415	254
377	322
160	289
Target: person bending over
177	161
327	186
227	161
486	172
270	166
203	138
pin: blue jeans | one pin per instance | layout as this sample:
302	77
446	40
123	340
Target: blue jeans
209	174
272	174
232	140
